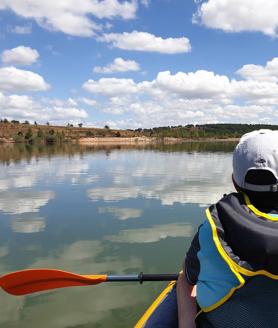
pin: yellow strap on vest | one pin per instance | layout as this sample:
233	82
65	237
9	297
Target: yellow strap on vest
228	260
237	269
256	211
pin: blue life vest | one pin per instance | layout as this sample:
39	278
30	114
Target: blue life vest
237	243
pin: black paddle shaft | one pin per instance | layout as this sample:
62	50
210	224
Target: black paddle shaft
141	277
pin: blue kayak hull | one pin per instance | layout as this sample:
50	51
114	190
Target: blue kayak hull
163	313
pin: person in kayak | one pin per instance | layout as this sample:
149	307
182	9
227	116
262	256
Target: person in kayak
232	262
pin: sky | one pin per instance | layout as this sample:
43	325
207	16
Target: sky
139	63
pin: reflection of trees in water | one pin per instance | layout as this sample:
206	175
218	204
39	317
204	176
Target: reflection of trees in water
195	146
17	152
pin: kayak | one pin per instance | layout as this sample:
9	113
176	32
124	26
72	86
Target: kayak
163	312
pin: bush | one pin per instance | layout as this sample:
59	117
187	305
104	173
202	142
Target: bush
40	134
29	135
89	134
50	139
18	137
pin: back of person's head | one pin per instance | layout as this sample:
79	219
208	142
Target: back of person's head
255	168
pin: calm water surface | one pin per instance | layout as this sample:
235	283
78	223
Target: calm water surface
101	211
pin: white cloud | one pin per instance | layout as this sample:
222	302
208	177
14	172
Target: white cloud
16	80
51	49
88	101
119	65
24	107
112	8
200	84
20	107
269	72
60	102
69	18
170	99
192	85
62	113
190	97
143	41
238	16
253	90
20	56
21	29
111	86
145	3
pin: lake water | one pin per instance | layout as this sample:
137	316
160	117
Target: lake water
92	211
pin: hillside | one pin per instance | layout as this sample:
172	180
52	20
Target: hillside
25	132
21	132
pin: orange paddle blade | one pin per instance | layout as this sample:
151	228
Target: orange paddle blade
37	280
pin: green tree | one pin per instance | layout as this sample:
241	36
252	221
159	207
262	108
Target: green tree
19	137
40	134
29	135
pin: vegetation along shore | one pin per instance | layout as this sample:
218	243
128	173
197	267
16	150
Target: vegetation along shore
16	132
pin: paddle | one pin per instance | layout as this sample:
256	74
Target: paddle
38	280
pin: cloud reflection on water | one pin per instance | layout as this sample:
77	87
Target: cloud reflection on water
4	250
121	213
198	178
28	225
27	175
74	306
87	257
153	234
89	306
15	202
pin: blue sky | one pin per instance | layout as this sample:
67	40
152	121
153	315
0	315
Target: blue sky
139	63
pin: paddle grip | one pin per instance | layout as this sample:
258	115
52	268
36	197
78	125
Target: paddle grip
141	277
157	277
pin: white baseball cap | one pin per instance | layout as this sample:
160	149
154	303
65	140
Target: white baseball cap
257	150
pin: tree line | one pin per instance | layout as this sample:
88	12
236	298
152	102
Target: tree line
222	131
25	132
46	137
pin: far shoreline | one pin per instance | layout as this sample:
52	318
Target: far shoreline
20	133
147	140
141	141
